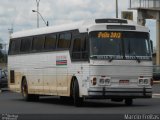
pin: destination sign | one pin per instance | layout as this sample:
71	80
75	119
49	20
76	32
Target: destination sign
114	35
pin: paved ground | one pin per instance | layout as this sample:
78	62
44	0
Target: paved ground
156	90
12	103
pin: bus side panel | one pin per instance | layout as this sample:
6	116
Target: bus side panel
14	74
50	81
81	71
62	80
16	85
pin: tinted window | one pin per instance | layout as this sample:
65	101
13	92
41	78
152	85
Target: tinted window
50	42
64	40
26	44
14	46
12	77
79	49
77	45
136	43
38	43
83	45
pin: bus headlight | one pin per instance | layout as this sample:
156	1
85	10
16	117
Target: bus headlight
104	81
140	81
143	81
146	81
107	81
101	81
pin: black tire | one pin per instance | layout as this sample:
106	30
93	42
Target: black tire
24	91
75	94
129	102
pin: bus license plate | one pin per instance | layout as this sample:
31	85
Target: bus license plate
124	82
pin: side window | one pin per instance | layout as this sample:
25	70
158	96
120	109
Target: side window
26	44
84	49
83	45
50	42
64	40
17	46
77	45
76	54
79	51
14	46
38	43
12	76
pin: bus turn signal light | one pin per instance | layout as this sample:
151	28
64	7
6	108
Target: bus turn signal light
94	81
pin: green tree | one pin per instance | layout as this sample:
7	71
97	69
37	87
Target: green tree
1	54
1	46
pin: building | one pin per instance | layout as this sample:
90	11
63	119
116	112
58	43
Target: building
149	9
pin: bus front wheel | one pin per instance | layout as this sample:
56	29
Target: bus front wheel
75	90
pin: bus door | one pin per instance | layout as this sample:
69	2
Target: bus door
79	49
79	55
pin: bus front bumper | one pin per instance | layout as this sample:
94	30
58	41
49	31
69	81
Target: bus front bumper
104	92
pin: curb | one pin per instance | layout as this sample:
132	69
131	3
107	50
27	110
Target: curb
156	95
156	82
4	90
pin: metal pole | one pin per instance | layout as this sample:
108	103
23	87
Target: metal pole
37	1
116	8
46	23
157	42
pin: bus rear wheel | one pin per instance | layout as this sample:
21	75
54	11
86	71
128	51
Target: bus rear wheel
24	91
75	94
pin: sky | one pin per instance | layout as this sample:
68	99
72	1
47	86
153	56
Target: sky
18	13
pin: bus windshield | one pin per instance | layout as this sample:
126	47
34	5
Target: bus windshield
120	45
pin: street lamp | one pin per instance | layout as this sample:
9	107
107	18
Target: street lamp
37	1
46	23
116	8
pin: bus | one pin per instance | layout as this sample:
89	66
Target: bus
94	59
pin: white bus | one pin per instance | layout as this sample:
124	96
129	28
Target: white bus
94	59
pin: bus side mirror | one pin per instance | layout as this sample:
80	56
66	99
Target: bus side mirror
151	42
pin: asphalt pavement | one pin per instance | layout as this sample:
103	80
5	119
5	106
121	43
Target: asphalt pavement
12	104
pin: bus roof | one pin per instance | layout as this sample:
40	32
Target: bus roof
82	26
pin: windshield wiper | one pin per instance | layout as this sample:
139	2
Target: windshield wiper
138	60
110	59
93	57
